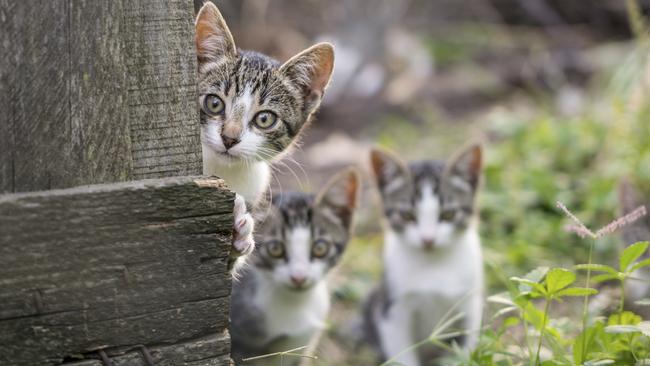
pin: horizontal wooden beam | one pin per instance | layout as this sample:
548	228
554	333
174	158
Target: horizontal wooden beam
113	266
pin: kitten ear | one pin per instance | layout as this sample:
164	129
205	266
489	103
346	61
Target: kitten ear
311	70
340	195
467	165
213	38
391	175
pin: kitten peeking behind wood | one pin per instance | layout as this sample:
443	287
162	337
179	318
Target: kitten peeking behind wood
281	300
252	110
432	253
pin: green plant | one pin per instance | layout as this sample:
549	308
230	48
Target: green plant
627	266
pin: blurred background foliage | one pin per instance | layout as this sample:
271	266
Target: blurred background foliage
557	90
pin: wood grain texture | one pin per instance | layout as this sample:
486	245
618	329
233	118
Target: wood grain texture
163	102
113	267
96	92
205	351
35	76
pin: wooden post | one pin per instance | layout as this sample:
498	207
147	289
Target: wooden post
92	93
96	92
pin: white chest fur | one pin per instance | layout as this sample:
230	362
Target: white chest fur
298	315
430	283
249	179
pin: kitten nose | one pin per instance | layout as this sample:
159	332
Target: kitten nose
229	142
298	281
428	244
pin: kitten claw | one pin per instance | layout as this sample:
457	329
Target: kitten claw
242	243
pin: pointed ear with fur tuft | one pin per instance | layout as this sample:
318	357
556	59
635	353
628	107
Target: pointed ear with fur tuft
213	38
311	70
391	175
340	195
467	165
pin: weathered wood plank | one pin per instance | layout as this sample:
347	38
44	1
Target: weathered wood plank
99	116
206	351
114	265
161	62
96	92
35	75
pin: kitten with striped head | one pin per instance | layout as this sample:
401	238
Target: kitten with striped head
432	253
281	300
252	110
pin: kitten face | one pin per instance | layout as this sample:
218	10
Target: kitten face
301	237
252	108
427	204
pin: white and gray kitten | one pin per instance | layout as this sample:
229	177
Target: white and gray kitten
281	300
432	253
252	110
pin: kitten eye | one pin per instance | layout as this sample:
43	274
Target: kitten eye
275	249
265	119
320	248
447	215
407	215
213	105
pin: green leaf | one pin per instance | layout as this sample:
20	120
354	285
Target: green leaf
632	253
589	340
639	265
559	278
597	268
530	284
576	291
511	322
624	318
604	277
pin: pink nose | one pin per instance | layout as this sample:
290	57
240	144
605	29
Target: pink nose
428	244
298	281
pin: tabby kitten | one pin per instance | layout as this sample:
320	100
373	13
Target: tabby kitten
281	300
432	253
252	110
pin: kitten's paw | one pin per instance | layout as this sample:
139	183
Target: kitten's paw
242	241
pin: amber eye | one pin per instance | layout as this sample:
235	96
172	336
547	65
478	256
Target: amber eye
447	215
213	105
265	119
275	249
320	248
407	216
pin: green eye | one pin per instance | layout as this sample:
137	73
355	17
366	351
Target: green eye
275	249
320	248
265	119
447	215
213	105
407	215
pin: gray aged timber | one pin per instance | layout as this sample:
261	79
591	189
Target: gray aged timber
96	92
113	267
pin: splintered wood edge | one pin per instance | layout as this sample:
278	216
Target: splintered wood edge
199	181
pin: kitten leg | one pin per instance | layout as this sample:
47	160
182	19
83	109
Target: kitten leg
472	322
396	336
242	241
